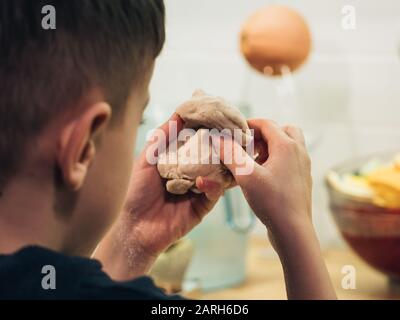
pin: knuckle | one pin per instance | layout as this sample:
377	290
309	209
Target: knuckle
291	127
300	130
270	122
291	146
267	122
263	122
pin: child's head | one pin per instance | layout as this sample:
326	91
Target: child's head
71	100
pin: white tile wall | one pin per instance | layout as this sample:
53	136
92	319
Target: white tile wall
347	95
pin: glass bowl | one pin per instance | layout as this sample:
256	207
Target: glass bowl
373	232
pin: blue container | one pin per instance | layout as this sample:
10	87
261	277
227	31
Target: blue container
220	243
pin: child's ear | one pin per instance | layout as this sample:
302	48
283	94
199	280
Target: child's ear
76	147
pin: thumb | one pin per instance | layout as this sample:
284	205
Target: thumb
234	157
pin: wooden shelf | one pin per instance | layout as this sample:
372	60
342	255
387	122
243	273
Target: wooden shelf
265	278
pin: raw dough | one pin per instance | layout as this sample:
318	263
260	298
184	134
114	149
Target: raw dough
193	158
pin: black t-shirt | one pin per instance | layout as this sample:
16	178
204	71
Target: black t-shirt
38	273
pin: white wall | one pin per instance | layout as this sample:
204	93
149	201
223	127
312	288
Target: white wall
347	97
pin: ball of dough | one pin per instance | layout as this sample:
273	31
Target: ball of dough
194	157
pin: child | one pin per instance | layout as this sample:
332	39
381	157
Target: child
71	100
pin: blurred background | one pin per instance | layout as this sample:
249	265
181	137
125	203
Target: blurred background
348	92
346	96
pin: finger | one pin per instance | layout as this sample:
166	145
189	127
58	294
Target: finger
172	126
212	189
295	133
174	120
160	139
201	204
272	134
267	130
234	157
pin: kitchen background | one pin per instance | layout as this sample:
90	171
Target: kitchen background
346	97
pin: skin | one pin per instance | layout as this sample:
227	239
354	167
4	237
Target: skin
113	210
285	176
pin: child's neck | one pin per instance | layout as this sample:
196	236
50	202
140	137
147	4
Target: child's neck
27	217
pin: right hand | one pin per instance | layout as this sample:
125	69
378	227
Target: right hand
279	188
279	192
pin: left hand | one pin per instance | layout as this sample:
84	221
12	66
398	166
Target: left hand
152	218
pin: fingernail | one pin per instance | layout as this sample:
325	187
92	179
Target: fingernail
200	182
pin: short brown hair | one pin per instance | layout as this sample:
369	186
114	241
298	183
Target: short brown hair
96	43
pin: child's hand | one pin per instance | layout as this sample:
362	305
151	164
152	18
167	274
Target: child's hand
279	192
279	188
152	219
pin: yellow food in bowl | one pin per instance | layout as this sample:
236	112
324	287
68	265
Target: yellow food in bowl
385	183
375	182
